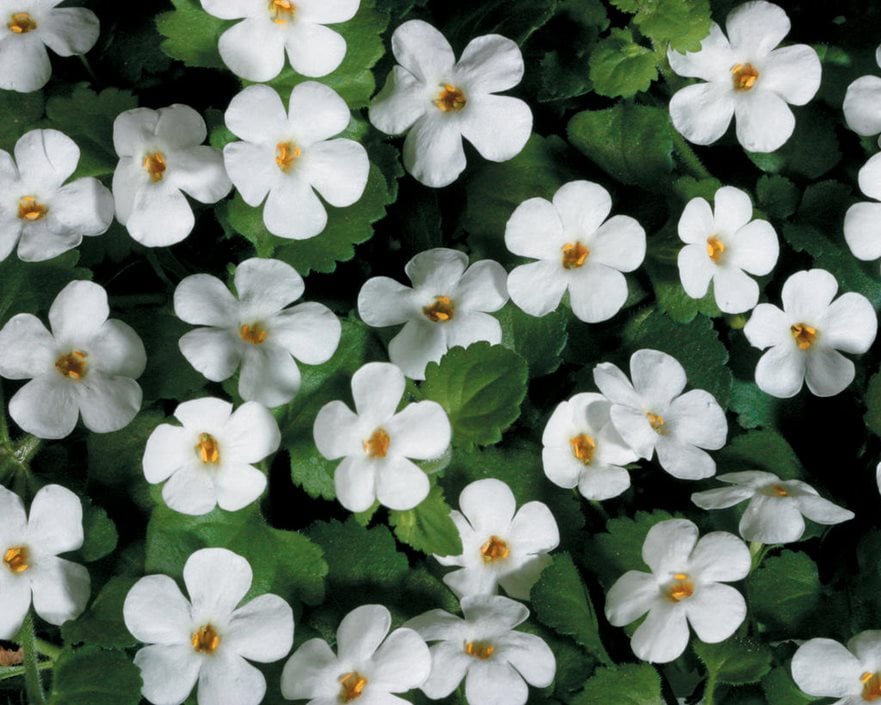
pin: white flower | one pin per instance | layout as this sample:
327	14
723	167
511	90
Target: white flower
746	77
254	49
377	443
209	459
368	666
495	661
440	101
289	156
29	26
86	366
825	668
501	545
161	156
685	587
652	414
37	211
774	513
862	221
255	330
723	246
577	250
807	334
862	103
582	448
447	306
29	548
206	638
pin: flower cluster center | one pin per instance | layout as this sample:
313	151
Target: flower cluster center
583	447
205	640
73	365
16	559
154	163
282	11
450	99
574	255
208	449
31	209
253	333
744	76
377	445
804	335
494	549
780	490
871	686
353	685
681	587
656	421
440	311
286	153
715	248
21	23
479	649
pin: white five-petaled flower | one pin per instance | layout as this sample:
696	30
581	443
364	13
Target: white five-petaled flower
724	245
862	103
255	330
484	649
577	250
440	101
255	48
825	668
862	221
28	28
161	157
376	443
582	448
448	305
368	667
776	507
38	211
805	336
86	366
208	638
653	415
286	156
685	587
745	77
209	459
29	562
501	545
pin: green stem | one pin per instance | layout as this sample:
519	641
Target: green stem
4	426
757	550
710	690
689	159
16	671
27	448
44	648
33	682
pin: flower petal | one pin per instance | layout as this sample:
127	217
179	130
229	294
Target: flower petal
269	375
720	557
696	270
488	505
401	102
668	546
862	230
377	389
118	350
722	497
61	589
190	490
862	106
712	62
619	243
702	112
808	294
16	603
311	672
498	126
850	324
107	403
385	302
313	49
355	483
493	682
657	377
603	482
757	27
401	663
55	522
828	372
537	287
764	121
168	672
161	215
217	580
199	172
663	636
697	418
490	64
46	157
474	327
227	679
204	300
597	292
317	112
684	460
292	210
336	431
69	31
771	520
823	667
696	223
822	510
531	656
253	49
361	632
535	229
423	51
449	664
433	151
214	352
338	170
266	286
421	430
754	248
400	483
78	311
533	530
252	168
262	630
45	407
237	486
482	287
766	327
715	612
793	73
26	66
156	612
27	349
781	371
418	343
251	433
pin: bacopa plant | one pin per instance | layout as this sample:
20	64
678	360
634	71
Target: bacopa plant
365	352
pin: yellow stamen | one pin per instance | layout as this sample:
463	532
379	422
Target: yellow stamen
353	685
494	549
744	76
16	559
871	686
715	248
208	449
479	649
574	255
205	640
154	163
804	335
377	445
780	490
21	23
450	99
73	365
282	11
286	153
253	333
583	447
681	588
440	311
656	421
30	209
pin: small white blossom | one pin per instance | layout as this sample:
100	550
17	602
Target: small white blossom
207	638
685	587
29	562
86	366
161	157
724	246
483	649
376	443
862	103
582	448
805	336
745	77
578	250
501	545
38	211
209	460
29	27
862	221
257	331
825	668
285	157
653	415
255	48
438	101
448	305
369	666
776	507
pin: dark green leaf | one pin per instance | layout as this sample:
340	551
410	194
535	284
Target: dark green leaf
761	450
20	113
736	661
99	531
620	549
785	591
102	624
539	341
624	684
93	676
191	34
428	527
619	67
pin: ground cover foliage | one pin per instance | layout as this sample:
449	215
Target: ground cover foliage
598	84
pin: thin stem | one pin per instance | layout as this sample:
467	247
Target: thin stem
4	427
33	682
27	448
689	159
16	671
710	690
89	69
47	649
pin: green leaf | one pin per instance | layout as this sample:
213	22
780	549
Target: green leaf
873	404
683	23
811	151
481	388
115	459
20	112
191	34
619	67
30	287
516	19
102	624
784	591
624	684
632	143
780	689
672	298
736	661
777	196
539	341
100	533
428	527
561	602
93	676
761	450
620	549
754	408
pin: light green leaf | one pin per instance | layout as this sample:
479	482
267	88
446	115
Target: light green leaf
761	450
93	676
539	341
428	527
736	661
102	624
624	684
516	19
191	34
672	298
620	549
683	23
785	591
619	67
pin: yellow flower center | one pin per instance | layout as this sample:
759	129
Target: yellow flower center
656	421
282	11
804	335
680	588
16	559
286	153
205	640
440	311
574	255
780	490
744	76
494	549
871	686
583	447
715	248
30	209
353	685
377	445
154	163
479	649
21	23
253	333
73	365
208	449
450	99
